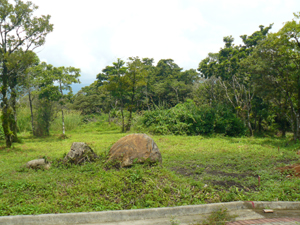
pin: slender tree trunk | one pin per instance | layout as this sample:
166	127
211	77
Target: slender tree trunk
63	120
31	112
259	124
13	116
129	121
147	98
123	125
109	117
5	107
62	110
131	108
249	124
122	114
283	128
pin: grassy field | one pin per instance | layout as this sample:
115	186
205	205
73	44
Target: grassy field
195	170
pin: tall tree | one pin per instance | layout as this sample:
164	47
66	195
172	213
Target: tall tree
277	65
117	84
47	95
65	76
135	78
226	65
20	31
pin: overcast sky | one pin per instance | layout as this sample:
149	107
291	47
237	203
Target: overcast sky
92	34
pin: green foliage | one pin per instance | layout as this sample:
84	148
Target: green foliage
73	119
21	32
45	113
2	135
23	121
189	119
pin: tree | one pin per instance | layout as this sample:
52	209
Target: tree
277	65
20	31
135	78
226	65
47	94
117	84
18	64
65	76
166	84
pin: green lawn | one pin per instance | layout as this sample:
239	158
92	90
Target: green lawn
195	170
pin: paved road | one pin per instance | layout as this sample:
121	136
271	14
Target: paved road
278	221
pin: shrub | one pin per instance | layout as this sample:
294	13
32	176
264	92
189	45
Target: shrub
187	118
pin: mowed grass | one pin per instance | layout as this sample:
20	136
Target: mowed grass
195	170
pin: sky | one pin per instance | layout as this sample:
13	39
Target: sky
92	34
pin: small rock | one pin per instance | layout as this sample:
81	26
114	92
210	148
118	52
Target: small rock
38	164
80	152
134	148
268	211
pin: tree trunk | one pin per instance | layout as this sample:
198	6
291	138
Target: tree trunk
109	117
259	124
13	116
123	125
129	120
63	120
283	128
62	109
31	112
5	107
122	114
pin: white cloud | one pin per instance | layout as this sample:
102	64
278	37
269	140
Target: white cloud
91	34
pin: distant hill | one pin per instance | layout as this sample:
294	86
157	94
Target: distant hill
77	87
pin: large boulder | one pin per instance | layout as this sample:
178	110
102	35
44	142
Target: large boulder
134	148
80	152
38	164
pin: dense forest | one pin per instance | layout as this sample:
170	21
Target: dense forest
247	89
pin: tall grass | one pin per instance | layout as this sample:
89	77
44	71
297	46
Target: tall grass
24	119
73	119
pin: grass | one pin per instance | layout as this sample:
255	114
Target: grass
195	170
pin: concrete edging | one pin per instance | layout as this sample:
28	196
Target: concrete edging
141	214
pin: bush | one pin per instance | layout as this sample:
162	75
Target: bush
189	119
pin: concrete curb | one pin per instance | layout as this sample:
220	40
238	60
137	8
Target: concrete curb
141	214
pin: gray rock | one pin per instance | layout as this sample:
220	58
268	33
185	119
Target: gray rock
38	164
80	152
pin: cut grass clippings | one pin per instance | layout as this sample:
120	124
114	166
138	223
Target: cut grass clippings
195	170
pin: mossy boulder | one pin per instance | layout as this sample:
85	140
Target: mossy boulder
80	153
134	148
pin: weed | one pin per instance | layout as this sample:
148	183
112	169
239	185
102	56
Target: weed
220	217
174	221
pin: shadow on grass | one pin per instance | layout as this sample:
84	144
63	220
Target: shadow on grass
274	142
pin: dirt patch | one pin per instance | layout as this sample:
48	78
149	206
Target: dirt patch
292	170
224	174
183	171
226	183
197	172
286	161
